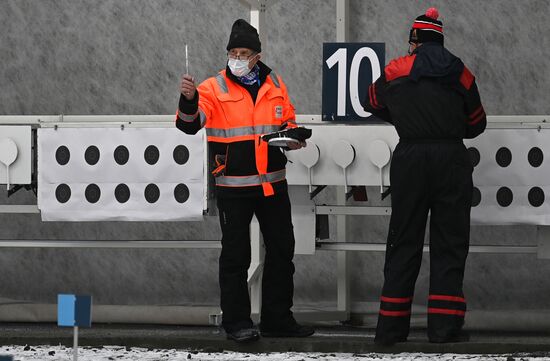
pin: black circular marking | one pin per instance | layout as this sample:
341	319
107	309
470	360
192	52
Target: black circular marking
474	156
476	197
505	196
92	193
92	155
63	193
536	196
181	193
62	155
122	193
152	154
504	157
535	157
181	154
121	155
152	193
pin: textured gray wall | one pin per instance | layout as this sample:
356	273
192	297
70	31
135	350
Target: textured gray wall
126	56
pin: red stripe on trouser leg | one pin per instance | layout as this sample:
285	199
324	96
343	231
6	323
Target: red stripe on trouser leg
395	313
445	311
446	298
396	299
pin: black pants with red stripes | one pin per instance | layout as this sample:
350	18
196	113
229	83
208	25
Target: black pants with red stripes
274	217
433	177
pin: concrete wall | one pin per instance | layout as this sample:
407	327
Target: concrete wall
126	56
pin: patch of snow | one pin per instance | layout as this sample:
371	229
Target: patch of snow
120	353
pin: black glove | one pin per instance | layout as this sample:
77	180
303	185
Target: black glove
299	133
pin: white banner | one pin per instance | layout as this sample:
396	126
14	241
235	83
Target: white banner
511	176
131	174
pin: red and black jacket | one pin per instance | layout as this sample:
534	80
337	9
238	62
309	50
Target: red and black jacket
429	95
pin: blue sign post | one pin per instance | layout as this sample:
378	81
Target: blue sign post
74	311
6	358
348	70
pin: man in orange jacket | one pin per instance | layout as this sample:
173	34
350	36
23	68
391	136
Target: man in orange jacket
237	106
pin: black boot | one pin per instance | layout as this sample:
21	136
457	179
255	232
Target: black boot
244	335
289	330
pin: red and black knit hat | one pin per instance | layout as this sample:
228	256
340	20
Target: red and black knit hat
427	28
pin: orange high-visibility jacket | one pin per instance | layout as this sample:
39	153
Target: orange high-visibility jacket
230	117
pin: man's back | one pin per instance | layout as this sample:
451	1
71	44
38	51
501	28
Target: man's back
428	95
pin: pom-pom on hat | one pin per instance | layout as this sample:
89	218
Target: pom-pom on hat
244	35
427	28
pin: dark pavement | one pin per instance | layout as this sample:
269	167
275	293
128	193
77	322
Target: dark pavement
327	339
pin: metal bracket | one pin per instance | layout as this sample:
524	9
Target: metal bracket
316	191
386	193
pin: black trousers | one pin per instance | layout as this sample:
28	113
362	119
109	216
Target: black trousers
436	178
274	216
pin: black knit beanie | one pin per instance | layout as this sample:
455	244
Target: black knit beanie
427	28
244	35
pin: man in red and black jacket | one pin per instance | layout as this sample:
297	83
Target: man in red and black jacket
432	100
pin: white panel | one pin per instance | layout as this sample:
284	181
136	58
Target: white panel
303	219
20	169
519	142
136	174
520	177
326	171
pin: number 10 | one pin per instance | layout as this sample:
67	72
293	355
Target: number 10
340	57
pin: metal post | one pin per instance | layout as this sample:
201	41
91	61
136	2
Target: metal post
258	17
75	343
255	270
342	260
342	20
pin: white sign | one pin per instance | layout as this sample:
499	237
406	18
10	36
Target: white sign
131	174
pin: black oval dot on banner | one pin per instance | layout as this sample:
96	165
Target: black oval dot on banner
505	196
181	193
181	154
152	154
152	193
504	157
536	196
474	156
122	193
62	155
63	193
121	155
92	193
92	155
535	157
476	197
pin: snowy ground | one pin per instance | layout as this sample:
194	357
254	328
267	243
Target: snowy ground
46	353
